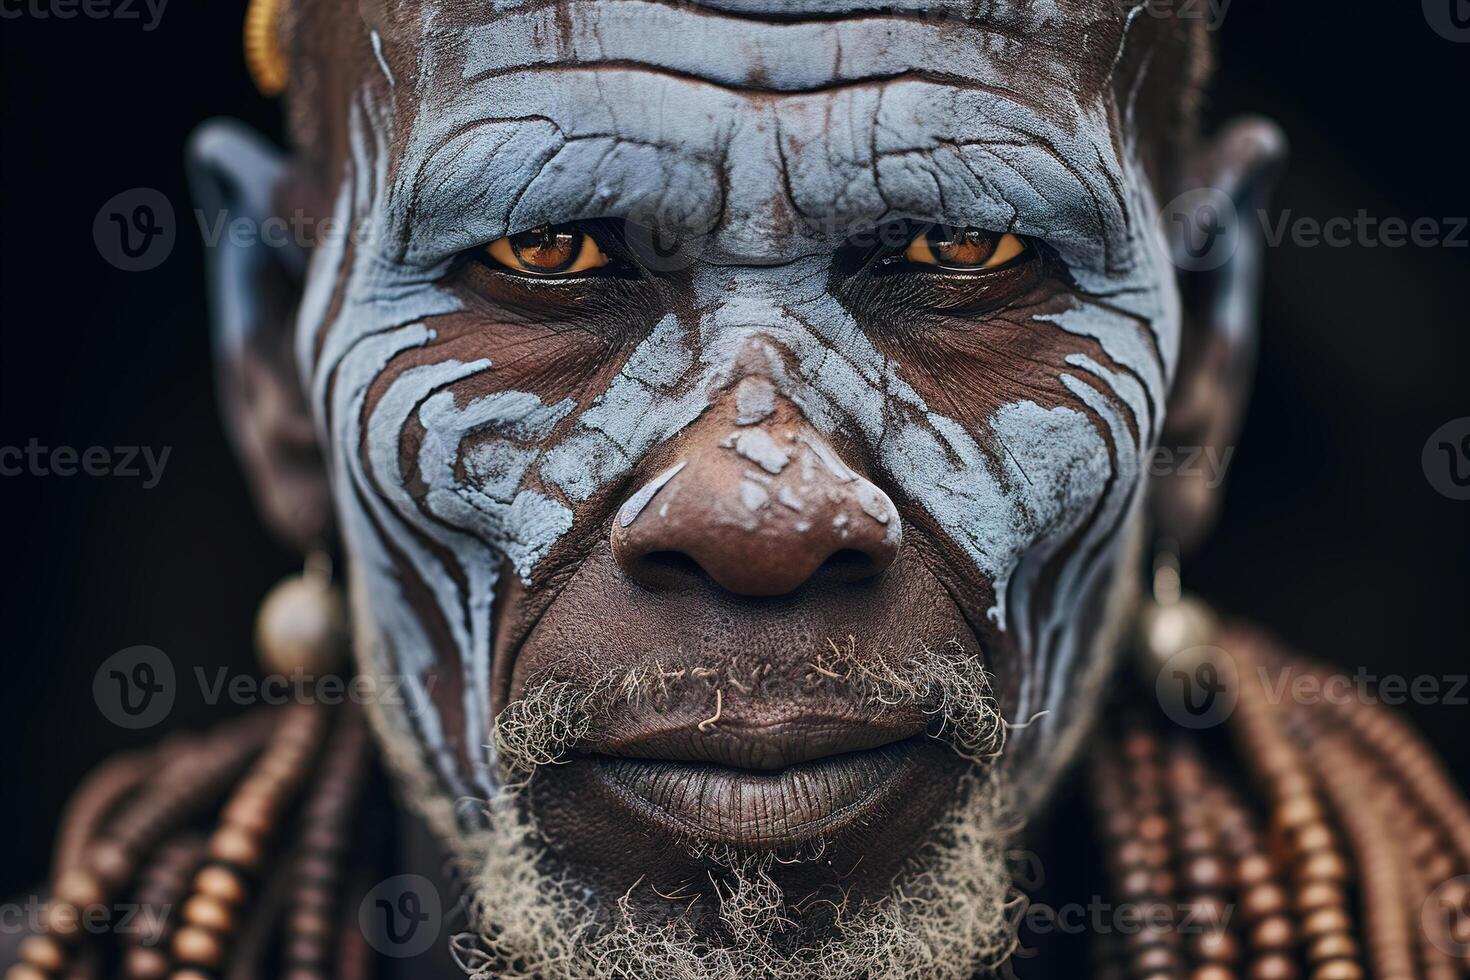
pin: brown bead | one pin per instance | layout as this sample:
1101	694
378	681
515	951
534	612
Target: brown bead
1273	933
1207	912
1323	866
145	963
64	921
1140	746
1314	836
210	913
1263	900
220	882
1254	869
1213	971
1333	946
1318	895
1297	811
25	971
311	924
1273	967
1325	922
305	951
200	947
253	813
1157	959
1153	828
1339	970
1206	873
43	952
1135	885
1216	946
189	975
236	846
111	862
79	888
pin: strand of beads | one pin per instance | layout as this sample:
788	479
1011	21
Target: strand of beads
1205	874
196	772
1302	838
1140	854
1418	810
237	848
311	925
161	887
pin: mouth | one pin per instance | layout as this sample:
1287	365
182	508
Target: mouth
771	788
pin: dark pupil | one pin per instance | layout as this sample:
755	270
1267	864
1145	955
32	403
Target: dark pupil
961	247
546	249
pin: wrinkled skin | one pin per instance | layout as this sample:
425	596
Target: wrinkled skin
769	455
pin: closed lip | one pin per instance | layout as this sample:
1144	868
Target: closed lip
790	791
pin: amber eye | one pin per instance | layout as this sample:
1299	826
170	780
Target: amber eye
551	250
963	249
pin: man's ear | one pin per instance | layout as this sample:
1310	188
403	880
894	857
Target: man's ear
1218	237
255	274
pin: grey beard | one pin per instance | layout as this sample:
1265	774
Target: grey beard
948	915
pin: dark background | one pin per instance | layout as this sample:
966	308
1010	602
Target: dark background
1331	535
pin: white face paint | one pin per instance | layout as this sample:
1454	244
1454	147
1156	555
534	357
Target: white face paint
444	473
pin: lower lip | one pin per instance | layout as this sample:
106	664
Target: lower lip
767	810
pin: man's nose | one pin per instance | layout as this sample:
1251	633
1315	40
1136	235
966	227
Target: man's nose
761	511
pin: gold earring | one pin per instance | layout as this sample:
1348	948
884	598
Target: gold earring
302	624
264	55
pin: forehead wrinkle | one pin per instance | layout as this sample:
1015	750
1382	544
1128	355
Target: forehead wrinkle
751	55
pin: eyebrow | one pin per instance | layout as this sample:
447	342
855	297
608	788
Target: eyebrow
1008	146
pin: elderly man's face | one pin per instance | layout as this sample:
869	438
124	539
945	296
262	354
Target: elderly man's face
733	412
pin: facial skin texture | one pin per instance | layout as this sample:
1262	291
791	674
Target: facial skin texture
903	503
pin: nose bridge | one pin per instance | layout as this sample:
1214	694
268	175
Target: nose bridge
756	499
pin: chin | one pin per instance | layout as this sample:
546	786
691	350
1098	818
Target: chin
790	911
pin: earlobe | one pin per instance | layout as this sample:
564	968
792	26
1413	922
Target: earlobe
1216	231
255	269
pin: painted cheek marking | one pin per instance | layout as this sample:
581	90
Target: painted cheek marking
408	651
520	524
637	411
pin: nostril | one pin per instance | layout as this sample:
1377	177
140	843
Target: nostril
668	568
849	565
